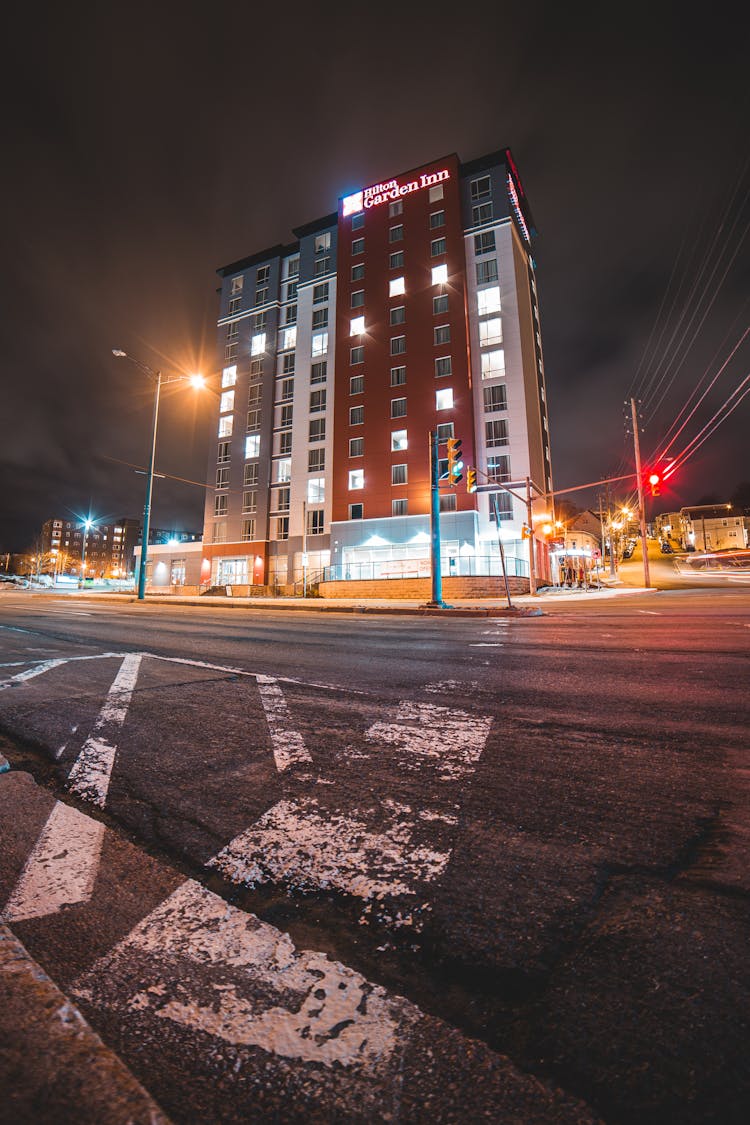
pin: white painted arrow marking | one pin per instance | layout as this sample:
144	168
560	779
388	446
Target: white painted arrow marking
62	867
290	1003
288	745
450	739
40	669
92	769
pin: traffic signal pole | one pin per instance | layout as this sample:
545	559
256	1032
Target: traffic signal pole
437	578
641	508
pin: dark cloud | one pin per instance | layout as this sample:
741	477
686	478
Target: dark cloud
149	144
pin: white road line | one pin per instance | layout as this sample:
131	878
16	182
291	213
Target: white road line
92	769
289	1003
487	644
311	847
61	869
288	745
22	677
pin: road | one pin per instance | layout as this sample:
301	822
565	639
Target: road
391	868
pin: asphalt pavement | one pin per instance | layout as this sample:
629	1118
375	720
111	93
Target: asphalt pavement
345	867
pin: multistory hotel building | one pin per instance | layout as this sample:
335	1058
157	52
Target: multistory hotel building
412	309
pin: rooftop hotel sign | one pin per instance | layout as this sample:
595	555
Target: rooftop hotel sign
386	193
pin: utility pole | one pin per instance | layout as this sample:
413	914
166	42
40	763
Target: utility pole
530	522
641	509
437	578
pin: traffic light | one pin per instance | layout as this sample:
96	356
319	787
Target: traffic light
455	464
655	481
471	480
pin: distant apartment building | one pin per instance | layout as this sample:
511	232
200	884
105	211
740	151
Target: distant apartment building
110	547
712	528
413	309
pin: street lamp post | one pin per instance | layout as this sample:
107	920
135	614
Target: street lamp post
86	528
157	380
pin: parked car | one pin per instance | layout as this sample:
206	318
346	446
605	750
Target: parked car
666	548
627	552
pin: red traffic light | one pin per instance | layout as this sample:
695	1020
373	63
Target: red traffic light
655	481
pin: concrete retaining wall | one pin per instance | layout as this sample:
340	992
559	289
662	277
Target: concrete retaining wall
422	588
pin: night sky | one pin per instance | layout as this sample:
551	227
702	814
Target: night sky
147	145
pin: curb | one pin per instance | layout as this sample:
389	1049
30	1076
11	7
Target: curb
61	1070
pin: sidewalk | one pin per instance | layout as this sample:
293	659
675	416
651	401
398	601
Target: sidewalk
523	605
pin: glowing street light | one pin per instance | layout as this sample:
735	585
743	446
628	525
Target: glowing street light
196	381
87	525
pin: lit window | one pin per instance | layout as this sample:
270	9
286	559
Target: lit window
444	399
399	474
229	376
437	247
398	408
322	242
490	331
252	446
287	339
319	343
316	490
283	470
396	286
398	376
439	275
356	447
227	402
398	345
258	344
356	415
356	478
357	325
358	298
398	440
493	364
237	284
358	246
488	300
442	335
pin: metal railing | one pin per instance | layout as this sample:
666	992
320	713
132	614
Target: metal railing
475	566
